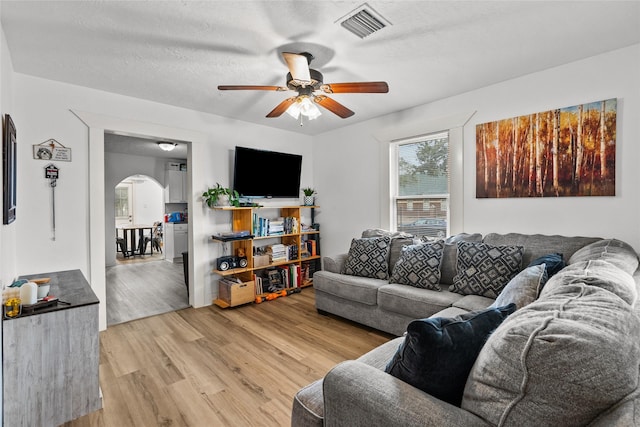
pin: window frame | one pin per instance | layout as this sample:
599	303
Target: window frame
394	187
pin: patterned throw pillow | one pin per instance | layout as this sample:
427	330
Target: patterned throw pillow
419	266
484	269
368	258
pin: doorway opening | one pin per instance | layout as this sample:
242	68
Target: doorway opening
140	280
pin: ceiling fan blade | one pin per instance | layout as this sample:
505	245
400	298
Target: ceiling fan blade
333	106
245	87
282	107
298	66
356	87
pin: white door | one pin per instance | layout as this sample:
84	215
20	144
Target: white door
124	204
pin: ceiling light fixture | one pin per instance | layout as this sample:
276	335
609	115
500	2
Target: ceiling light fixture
167	146
304	107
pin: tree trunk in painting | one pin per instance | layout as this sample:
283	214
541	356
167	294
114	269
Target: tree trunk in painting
531	156
498	160
538	157
514	165
484	156
603	144
579	151
556	140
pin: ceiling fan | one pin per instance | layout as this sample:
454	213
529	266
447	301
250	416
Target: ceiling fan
311	89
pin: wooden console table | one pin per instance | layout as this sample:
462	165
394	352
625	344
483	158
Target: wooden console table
51	357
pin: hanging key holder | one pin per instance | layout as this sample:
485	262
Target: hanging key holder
51	172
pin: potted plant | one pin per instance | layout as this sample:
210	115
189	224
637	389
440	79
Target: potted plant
221	196
309	200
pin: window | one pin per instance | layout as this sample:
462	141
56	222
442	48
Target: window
420	187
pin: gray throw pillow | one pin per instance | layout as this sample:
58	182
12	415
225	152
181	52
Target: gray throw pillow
419	266
368	258
484	269
523	289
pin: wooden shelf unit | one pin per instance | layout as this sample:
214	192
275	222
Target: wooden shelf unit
242	219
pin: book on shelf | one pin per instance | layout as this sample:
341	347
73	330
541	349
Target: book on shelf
311	247
292	252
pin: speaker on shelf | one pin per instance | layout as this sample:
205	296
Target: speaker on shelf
225	263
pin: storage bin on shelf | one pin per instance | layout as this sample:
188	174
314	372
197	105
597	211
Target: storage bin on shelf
231	294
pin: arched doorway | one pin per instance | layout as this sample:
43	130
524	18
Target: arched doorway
138	201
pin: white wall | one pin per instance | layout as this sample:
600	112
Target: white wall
148	206
43	107
363	199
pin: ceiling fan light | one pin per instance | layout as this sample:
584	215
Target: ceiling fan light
167	146
309	109
294	110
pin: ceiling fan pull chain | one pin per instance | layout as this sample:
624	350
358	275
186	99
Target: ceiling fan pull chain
300	120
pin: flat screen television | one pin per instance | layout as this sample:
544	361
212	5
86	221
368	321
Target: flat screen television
266	174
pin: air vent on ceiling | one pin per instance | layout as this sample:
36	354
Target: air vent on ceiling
363	21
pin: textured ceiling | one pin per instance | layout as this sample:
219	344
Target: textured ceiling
178	52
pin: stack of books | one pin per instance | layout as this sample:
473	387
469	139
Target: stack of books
278	252
276	227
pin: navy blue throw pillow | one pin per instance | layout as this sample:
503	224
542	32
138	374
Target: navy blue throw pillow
438	353
553	263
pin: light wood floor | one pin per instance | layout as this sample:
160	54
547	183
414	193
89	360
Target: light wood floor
143	288
220	367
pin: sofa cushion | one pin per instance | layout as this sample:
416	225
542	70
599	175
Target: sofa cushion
419	266
484	269
473	302
414	302
617	252
438	353
523	289
361	289
561	360
537	245
553	263
451	312
368	258
379	357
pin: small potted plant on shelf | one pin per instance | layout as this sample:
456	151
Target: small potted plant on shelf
221	196
309	199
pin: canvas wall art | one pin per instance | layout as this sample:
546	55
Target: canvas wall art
563	152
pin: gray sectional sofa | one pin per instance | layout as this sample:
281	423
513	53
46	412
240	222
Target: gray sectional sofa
390	307
569	358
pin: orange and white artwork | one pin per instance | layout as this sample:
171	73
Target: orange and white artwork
563	152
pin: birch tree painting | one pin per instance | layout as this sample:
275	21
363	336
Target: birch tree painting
564	152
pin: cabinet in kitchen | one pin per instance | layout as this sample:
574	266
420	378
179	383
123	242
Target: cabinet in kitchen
176	241
175	190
